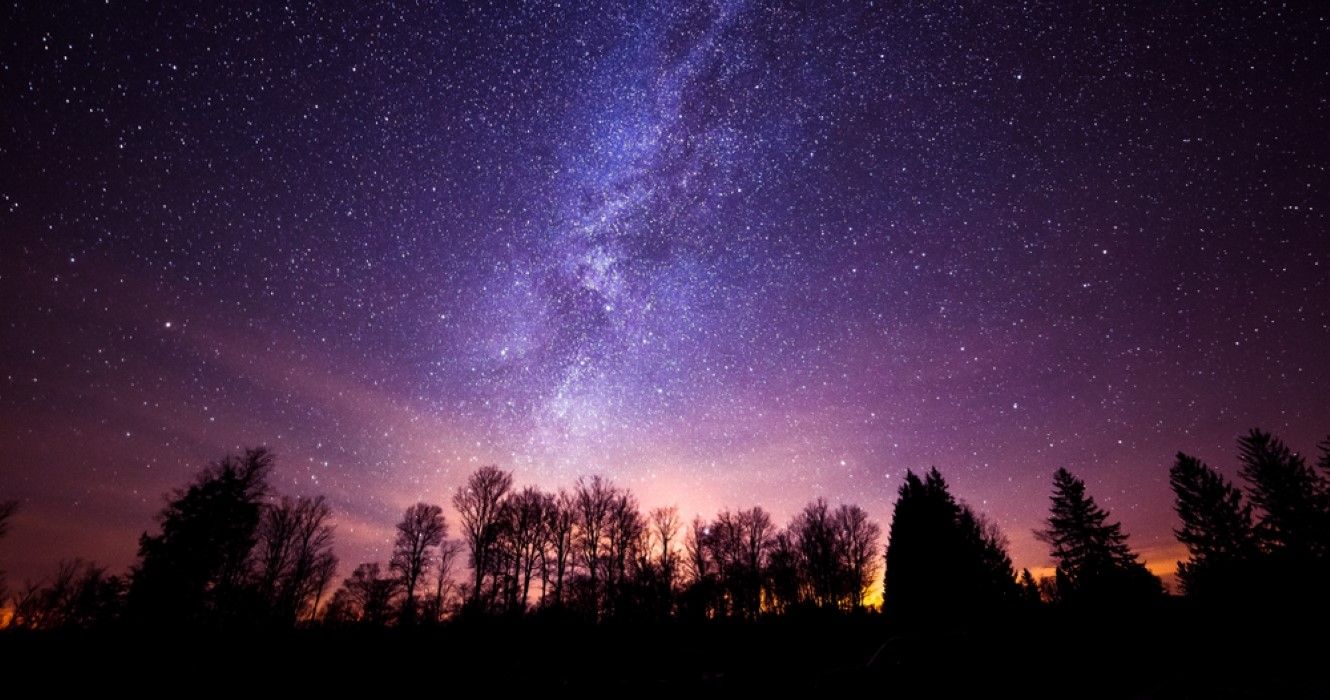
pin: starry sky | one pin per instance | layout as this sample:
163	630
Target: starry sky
724	253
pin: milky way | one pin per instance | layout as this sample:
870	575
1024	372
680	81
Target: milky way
725	254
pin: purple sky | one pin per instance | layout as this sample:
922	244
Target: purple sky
731	255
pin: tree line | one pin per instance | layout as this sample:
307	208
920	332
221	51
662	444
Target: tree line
230	552
593	553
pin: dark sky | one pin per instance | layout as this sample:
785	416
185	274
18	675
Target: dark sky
725	255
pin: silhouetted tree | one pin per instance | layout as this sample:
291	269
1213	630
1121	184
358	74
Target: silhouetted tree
524	517
859	539
1048	589
1094	563
784	575
665	531
698	564
741	565
593	499
196	569
477	503
367	597
560	527
1293	501
325	569
443	584
741	543
700	597
624	532
1323	462
943	561
81	595
731	552
295	557
7	510
994	568
758	531
1216	529
422	529
1030	592
814	529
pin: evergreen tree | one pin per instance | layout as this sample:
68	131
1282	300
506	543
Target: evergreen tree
1030	588
942	560
1291	497
197	569
1094	562
1216	528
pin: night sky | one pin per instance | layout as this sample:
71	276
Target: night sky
725	255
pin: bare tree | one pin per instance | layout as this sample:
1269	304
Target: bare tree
665	529
624	530
420	532
757	533
858	546
325	568
275	545
477	503
560	525
26	606
524	513
784	575
701	595
697	547
726	546
739	545
448	551
79	596
594	498
814	529
294	555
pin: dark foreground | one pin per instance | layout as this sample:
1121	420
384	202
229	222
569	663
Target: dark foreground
1174	654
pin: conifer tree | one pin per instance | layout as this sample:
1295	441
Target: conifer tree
942	559
1292	500
1094	562
1029	588
1216	528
